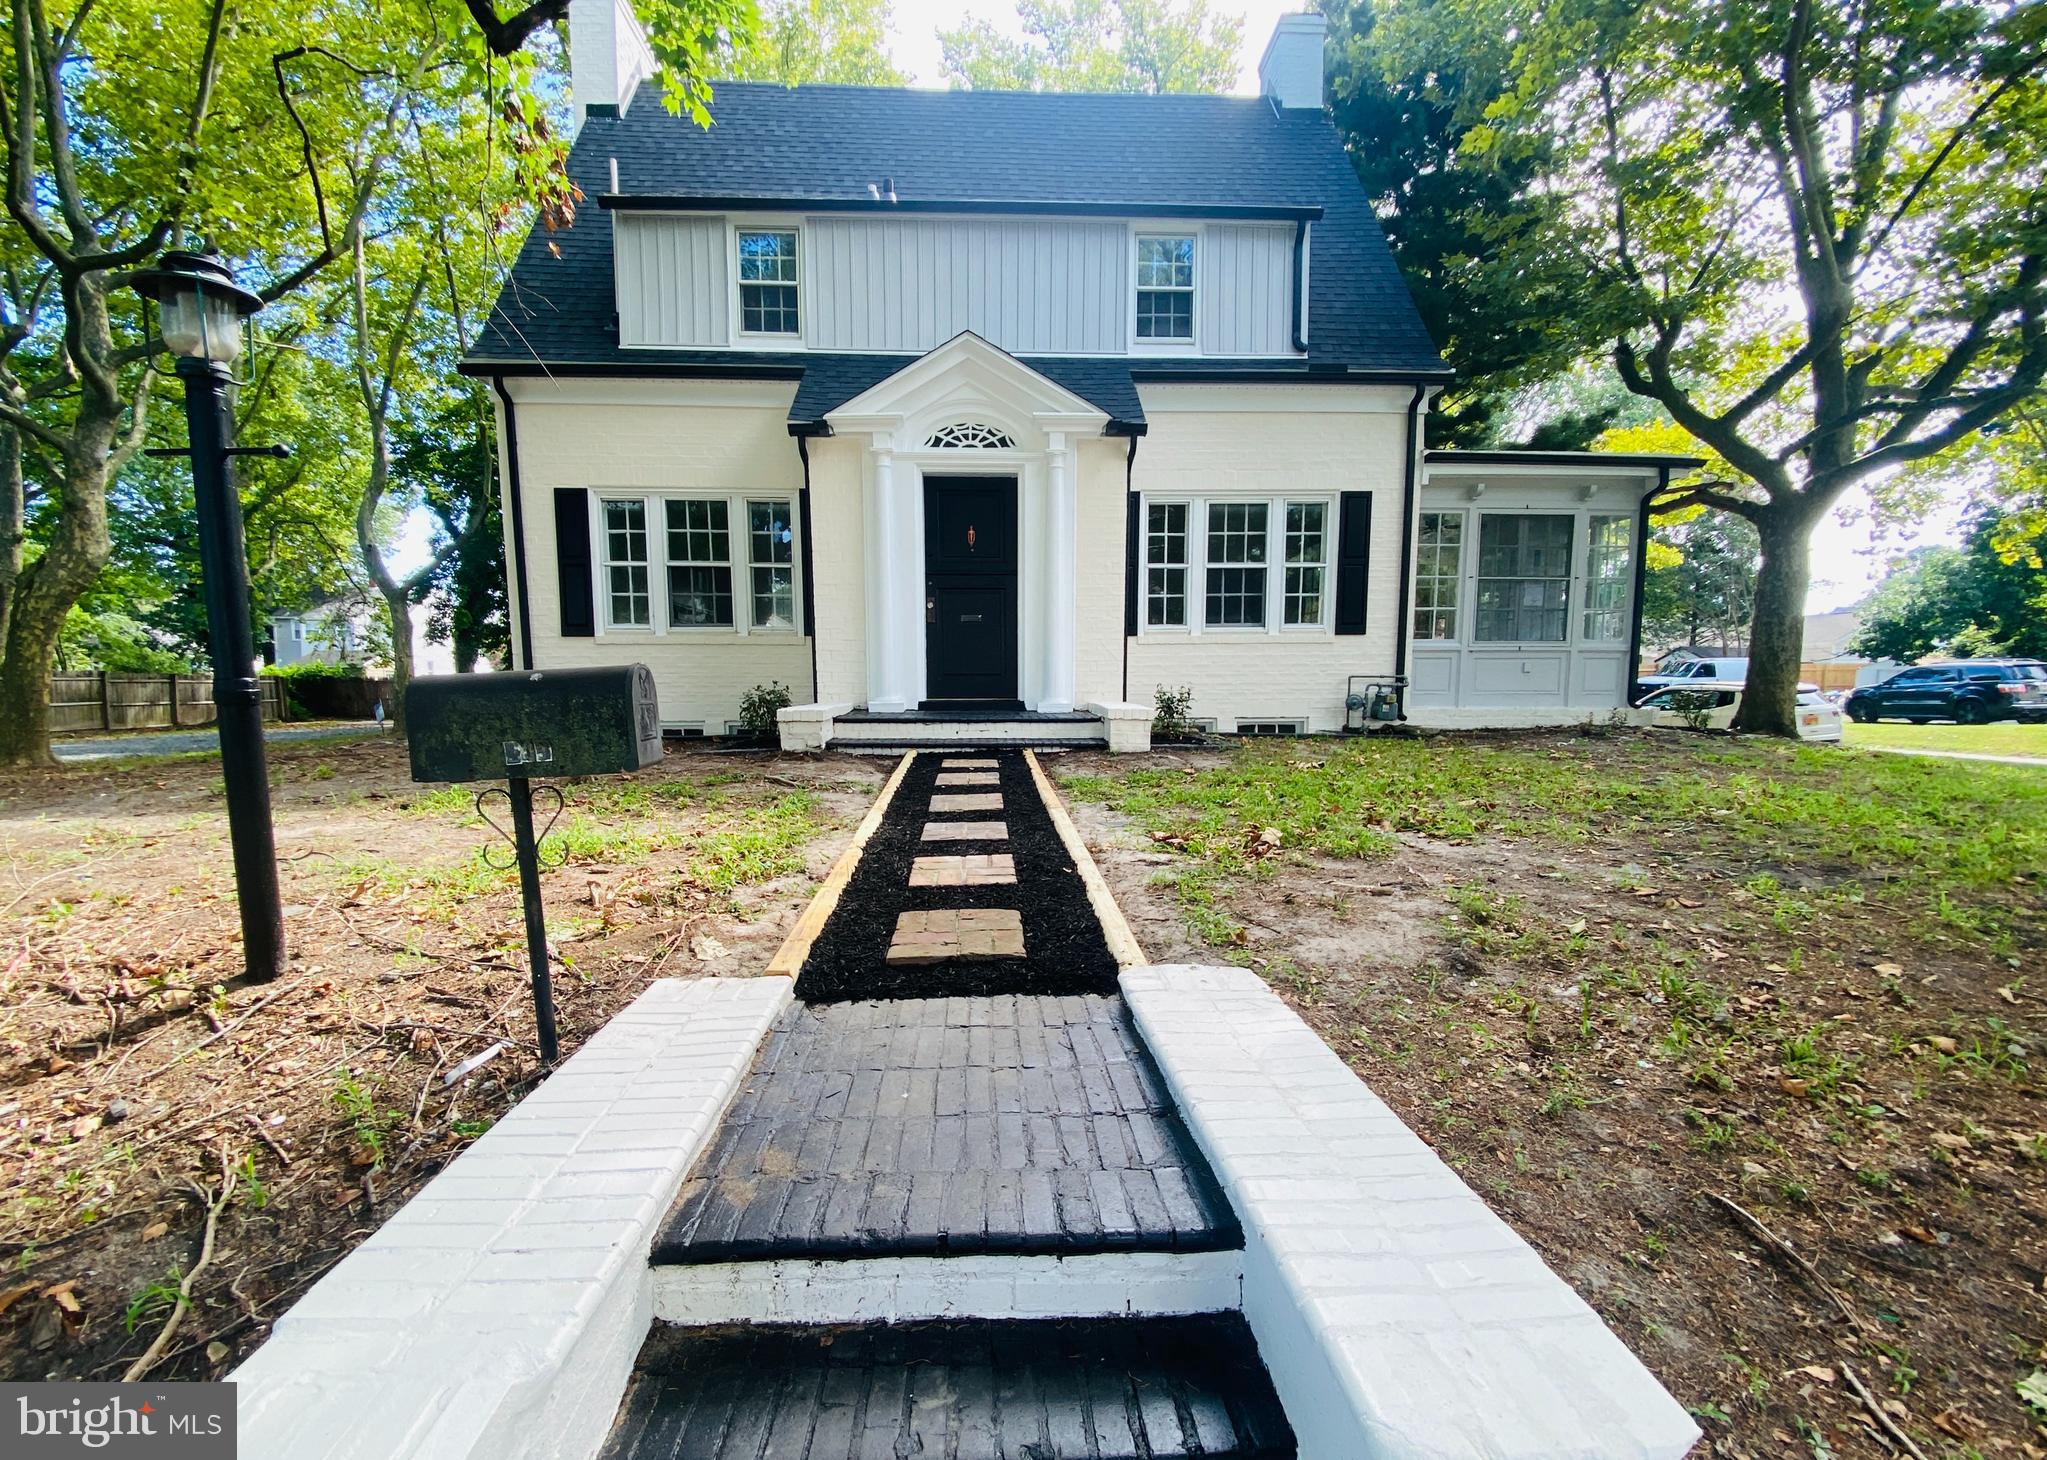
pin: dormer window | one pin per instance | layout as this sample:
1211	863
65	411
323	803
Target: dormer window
767	281
1165	287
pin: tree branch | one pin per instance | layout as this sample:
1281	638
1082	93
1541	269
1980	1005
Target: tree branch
504	36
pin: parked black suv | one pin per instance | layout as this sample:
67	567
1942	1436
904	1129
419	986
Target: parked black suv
1968	692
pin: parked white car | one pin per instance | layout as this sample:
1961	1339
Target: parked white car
1712	708
1695	671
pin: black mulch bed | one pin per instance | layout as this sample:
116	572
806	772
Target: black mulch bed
1065	952
1087	1389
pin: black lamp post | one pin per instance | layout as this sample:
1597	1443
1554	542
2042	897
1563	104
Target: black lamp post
200	310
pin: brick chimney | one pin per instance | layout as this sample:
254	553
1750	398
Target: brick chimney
1290	72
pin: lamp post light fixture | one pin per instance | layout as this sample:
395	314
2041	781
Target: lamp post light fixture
200	310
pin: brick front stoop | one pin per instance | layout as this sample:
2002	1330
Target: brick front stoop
1399	1317
497	1315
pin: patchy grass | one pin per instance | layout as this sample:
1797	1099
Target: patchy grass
138	1066
1608	977
2001	737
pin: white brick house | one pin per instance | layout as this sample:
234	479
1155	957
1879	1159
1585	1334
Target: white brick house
984	415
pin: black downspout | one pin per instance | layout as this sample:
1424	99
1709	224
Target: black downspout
1300	258
1641	578
1402	628
1129	465
516	491
809	588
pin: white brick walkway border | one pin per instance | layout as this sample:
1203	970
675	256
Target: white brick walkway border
1399	1317
496	1316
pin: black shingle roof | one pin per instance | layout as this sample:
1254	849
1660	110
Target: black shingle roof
827	143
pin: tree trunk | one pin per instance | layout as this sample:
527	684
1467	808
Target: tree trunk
13	506
1769	705
399	607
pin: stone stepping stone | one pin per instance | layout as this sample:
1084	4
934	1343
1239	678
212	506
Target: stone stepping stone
969	801
969	871
970	763
969	778
966	831
940	934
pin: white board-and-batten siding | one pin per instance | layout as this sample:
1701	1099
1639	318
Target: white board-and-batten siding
905	284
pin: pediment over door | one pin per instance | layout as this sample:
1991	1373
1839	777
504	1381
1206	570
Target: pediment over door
966	396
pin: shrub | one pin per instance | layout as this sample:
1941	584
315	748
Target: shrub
1171	711
757	709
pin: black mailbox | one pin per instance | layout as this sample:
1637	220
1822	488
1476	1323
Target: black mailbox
533	723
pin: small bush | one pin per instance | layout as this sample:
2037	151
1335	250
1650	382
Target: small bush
1172	711
757	709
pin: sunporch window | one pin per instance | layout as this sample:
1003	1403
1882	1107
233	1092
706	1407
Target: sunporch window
1524	578
771	546
1307	561
1438	566
767	282
625	564
1609	565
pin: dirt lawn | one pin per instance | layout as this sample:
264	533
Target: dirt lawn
1628	985
145	1087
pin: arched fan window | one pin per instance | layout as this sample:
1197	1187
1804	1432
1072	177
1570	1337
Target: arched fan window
970	436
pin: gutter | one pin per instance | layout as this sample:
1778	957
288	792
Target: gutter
1641	578
1129	470
1053	208
1410	485
515	489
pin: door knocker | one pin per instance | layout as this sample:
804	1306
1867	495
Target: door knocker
970	537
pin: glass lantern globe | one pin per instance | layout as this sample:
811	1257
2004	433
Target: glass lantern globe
199	306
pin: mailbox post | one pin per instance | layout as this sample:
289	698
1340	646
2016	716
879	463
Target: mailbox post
526	725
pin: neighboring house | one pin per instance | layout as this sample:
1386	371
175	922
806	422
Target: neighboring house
331	633
984	415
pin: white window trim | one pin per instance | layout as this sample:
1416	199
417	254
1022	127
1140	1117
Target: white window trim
1574	575
1197	625
745	339
1163	228
1627	577
1459	632
738	540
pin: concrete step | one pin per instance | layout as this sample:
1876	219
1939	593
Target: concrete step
919	729
1092	1389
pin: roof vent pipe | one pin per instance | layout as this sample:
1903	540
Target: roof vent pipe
874	191
890	189
614	176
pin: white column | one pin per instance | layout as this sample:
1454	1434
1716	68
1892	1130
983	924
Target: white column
1060	576
884	650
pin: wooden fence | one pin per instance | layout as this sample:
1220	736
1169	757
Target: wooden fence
82	703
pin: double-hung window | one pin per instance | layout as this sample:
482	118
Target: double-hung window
728	562
699	564
625	564
1235	579
1524	577
1609	569
1307	559
771	549
1439	564
1165	287
1165	573
767	281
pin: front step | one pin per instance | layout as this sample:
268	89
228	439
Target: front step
862	730
1087	1389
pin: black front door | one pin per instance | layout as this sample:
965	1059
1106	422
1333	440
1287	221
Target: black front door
970	589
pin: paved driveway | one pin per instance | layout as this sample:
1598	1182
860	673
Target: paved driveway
180	742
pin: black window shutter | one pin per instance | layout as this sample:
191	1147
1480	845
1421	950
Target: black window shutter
1353	560
572	562
1131	546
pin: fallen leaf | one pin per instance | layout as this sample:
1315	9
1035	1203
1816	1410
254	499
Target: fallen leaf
84	1126
1950	1140
1919	1234
1792	1087
2005	992
1942	1043
1890	970
14	1295
1961	1426
1817	1371
63	1297
155	1230
216	1351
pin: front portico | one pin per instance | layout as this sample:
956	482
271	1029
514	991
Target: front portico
955	436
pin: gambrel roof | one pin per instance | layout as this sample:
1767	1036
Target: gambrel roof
821	147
